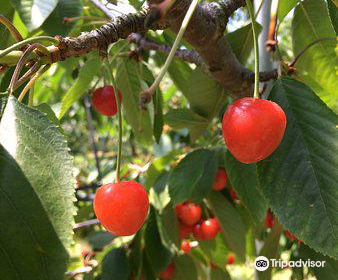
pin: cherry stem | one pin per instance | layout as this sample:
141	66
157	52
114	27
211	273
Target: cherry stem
172	52
254	33
29	41
32	81
19	66
298	56
12	29
119	112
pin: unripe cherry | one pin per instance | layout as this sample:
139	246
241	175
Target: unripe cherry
168	273
190	213
184	230
231	259
220	180
121	207
185	246
253	128
210	228
104	100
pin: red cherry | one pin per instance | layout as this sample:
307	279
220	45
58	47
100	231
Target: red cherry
168	273
184	230
121	207
178	209
190	213
231	259
220	181
210	228
253	128
269	221
104	100
185	246
198	233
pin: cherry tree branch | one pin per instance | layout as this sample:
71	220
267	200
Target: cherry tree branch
186	55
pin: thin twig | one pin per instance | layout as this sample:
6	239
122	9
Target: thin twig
91	128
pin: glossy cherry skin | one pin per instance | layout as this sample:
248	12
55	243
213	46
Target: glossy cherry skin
168	273
233	194
253	128
231	259
185	246
198	233
269	220
178	209
104	100
121	207
210	228
190	213
220	180
184	230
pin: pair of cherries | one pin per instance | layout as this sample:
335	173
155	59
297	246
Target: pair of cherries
190	215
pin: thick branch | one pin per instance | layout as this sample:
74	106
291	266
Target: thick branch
186	55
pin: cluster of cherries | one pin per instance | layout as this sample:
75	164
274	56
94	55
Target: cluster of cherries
191	223
252	129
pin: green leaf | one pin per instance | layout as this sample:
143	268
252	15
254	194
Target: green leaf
115	265
333	11
55	24
186	118
233	229
241	41
158	194
130	86
37	175
311	22
284	7
206	97
193	177
215	250
179	72
3	102
244	180
330	269
299	179
219	274
81	85
185	268
159	256
33	13
168	229
29	243
270	250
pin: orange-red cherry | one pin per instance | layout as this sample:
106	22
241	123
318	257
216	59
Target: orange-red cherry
210	228
168	273
104	100
184	230
231	259
121	207
253	128
220	180
185	246
190	213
